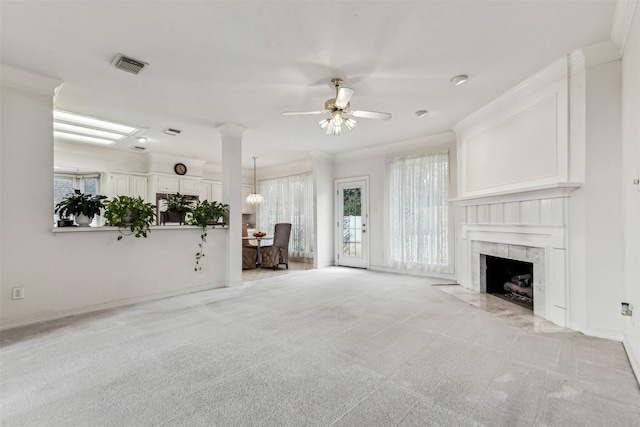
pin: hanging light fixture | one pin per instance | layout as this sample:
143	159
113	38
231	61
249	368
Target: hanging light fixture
255	198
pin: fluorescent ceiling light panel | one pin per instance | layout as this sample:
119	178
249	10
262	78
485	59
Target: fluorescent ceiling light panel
90	121
79	128
82	138
86	131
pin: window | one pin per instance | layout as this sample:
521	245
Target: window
419	220
64	184
289	199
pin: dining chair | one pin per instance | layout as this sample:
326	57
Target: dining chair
249	252
277	253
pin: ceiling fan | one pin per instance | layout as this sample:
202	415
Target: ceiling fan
340	111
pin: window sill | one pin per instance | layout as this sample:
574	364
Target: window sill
152	228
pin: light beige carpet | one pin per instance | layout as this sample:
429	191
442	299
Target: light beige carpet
322	347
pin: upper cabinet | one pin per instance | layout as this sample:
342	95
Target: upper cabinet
210	190
167	184
119	184
189	186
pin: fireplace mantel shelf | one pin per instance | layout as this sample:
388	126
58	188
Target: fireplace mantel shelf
561	189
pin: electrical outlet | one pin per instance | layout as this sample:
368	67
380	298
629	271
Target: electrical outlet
18	293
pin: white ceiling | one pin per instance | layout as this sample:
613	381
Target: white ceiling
240	62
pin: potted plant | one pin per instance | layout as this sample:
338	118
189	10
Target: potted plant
82	206
207	214
131	213
177	206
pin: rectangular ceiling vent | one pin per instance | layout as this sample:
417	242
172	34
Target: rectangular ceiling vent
172	132
138	148
127	64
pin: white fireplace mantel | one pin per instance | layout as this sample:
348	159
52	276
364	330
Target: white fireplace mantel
551	191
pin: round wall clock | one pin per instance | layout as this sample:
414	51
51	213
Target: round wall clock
180	168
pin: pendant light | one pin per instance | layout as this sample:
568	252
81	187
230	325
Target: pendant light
255	198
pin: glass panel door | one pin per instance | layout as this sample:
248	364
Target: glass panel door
352	247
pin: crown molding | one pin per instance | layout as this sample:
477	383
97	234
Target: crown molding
28	80
600	53
428	142
321	155
622	20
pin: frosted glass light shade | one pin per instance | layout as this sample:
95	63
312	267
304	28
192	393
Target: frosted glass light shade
254	199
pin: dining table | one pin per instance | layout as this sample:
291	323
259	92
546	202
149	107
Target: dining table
258	244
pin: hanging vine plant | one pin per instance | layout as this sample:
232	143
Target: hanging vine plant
206	214
129	213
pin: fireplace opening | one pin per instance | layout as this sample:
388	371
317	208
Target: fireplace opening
511	280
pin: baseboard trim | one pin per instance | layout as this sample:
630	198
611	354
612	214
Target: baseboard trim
633	361
610	335
31	320
419	273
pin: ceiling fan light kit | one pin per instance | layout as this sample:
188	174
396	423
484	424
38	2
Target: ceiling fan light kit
339	109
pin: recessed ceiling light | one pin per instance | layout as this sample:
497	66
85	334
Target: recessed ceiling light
142	139
421	113
458	80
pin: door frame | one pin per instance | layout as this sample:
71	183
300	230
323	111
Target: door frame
337	218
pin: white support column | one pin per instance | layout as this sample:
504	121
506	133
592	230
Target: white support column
324	210
232	195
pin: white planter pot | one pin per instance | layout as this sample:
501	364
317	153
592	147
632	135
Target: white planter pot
83	220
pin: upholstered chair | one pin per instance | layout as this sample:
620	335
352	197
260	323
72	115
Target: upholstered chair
277	253
249	252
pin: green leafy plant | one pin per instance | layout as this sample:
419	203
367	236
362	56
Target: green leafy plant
205	214
180	205
77	203
131	213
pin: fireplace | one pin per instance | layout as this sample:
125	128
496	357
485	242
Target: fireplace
509	279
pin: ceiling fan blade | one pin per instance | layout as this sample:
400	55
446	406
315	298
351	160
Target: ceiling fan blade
371	115
302	113
344	96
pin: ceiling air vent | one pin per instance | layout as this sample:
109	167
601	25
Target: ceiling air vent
127	64
172	132
138	148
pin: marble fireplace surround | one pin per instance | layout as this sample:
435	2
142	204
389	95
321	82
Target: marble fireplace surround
527	225
517	253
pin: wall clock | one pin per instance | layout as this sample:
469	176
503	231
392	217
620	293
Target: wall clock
180	168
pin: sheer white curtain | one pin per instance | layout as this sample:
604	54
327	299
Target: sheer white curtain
289	199
420	235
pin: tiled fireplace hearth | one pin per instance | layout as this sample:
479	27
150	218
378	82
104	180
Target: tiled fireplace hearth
528	226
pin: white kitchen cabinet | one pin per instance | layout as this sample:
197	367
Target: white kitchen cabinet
216	191
120	184
138	186
167	184
204	191
189	186
210	190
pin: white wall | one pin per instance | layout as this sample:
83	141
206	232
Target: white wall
630	154
372	163
603	248
73	272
